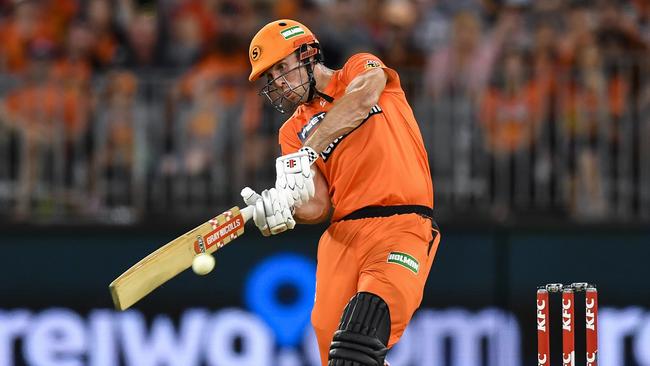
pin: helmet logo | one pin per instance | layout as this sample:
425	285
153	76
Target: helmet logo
255	53
291	32
307	54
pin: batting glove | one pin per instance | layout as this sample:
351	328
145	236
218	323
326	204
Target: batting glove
294	175
272	213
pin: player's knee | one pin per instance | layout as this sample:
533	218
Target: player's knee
362	336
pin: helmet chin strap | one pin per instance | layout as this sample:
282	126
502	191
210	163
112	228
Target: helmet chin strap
312	82
305	53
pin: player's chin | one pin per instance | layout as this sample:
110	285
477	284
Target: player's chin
295	98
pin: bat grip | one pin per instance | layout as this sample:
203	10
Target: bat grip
247	213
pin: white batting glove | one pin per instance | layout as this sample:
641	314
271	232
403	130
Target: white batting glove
272	213
294	175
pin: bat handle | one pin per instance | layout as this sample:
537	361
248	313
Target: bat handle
247	213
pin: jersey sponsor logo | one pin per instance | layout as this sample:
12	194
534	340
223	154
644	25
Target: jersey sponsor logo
374	110
330	148
405	260
372	64
307	129
296	30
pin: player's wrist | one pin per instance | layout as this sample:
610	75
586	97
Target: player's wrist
311	153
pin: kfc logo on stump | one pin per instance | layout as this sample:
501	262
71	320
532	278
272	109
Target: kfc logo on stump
541	316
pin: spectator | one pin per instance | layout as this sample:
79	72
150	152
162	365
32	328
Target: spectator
347	31
464	66
513	106
397	46
73	69
107	50
143	47
50	120
210	107
579	31
642	11
592	109
544	56
118	131
187	40
512	113
25	26
432	27
203	24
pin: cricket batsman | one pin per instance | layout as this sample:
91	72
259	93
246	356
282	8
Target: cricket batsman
352	151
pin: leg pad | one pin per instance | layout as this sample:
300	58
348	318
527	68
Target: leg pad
362	336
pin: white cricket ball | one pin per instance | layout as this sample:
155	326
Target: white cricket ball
202	264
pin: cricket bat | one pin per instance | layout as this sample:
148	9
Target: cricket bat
176	256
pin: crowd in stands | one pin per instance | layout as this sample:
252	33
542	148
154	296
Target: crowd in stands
103	102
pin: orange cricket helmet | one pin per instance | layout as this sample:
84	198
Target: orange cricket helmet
276	41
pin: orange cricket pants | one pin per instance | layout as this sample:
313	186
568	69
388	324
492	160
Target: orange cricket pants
353	257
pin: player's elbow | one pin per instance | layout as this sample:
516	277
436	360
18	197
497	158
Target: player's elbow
367	88
369	100
362	102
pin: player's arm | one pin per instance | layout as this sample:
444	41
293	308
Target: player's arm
318	208
349	111
307	190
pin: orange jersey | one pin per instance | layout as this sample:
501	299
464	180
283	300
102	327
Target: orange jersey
382	162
